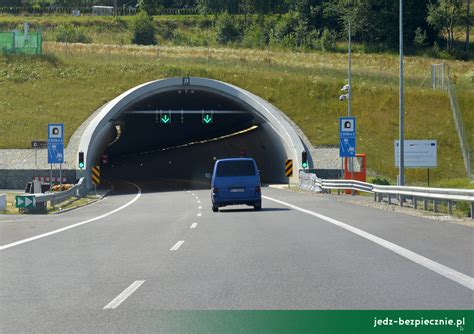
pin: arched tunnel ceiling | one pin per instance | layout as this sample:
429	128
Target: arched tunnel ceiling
185	145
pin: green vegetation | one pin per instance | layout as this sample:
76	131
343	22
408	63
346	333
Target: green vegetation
73	202
305	86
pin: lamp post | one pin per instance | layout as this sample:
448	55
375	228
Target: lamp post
348	88
401	176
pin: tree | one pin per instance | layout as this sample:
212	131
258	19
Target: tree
151	7
468	23
217	6
143	29
445	16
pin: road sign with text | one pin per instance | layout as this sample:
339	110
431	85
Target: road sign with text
347	137
55	133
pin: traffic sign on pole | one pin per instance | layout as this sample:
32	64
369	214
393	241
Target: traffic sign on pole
39	144
347	137
96	175
55	153
55	133
289	168
25	202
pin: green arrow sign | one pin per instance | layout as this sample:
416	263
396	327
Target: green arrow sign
25	201
207	118
165	119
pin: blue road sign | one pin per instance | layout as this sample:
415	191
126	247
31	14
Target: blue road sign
55	153
347	137
55	133
347	148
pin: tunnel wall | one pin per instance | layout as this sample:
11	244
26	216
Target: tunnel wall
98	133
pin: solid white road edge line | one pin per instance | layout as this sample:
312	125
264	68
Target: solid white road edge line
193	225
19	242
438	268
124	295
177	245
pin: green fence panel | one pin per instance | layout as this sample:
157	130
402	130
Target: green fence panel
19	42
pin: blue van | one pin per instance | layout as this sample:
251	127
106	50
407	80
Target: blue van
236	181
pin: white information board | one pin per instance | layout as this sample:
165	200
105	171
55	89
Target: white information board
418	153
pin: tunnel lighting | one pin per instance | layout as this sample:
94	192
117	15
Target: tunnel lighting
252	128
118	129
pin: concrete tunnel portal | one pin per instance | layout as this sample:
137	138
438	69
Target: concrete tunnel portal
156	130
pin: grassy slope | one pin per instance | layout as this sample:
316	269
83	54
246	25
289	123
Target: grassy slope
303	85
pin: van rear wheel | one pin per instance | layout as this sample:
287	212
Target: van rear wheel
258	206
215	208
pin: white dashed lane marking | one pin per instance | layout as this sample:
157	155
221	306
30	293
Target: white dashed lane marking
124	295
177	245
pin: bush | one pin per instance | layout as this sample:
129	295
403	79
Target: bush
67	33
381	181
255	36
227	28
464	208
328	40
143	29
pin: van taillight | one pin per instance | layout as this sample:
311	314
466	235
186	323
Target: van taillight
215	190
257	189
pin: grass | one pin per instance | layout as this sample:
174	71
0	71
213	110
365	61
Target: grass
71	82
11	209
72	202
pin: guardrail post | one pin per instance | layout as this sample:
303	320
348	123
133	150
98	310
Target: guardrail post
450	207
425	204
380	199
389	199
415	203
400	199
435	206
375	197
472	210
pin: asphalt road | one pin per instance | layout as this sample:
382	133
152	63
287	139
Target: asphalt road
115	265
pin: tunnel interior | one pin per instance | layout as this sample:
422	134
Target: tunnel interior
179	133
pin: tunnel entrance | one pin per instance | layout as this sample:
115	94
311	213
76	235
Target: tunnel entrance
175	129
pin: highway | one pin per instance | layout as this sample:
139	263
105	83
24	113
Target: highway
110	266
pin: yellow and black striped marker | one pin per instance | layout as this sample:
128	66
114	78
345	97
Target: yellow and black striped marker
289	168
96	175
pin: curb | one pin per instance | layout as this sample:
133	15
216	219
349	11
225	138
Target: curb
80	206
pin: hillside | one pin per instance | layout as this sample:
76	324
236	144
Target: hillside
72	81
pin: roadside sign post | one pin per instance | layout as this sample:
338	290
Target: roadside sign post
25	202
55	149
417	154
38	144
96	177
289	170
347	140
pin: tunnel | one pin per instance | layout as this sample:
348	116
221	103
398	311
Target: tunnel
176	129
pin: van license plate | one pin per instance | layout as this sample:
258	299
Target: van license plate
237	190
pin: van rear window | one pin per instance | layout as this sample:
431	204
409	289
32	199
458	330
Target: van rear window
235	168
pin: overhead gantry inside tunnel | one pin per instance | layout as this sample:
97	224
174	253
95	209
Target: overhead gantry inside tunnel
176	128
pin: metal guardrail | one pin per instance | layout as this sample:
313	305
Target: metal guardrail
79	189
312	183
